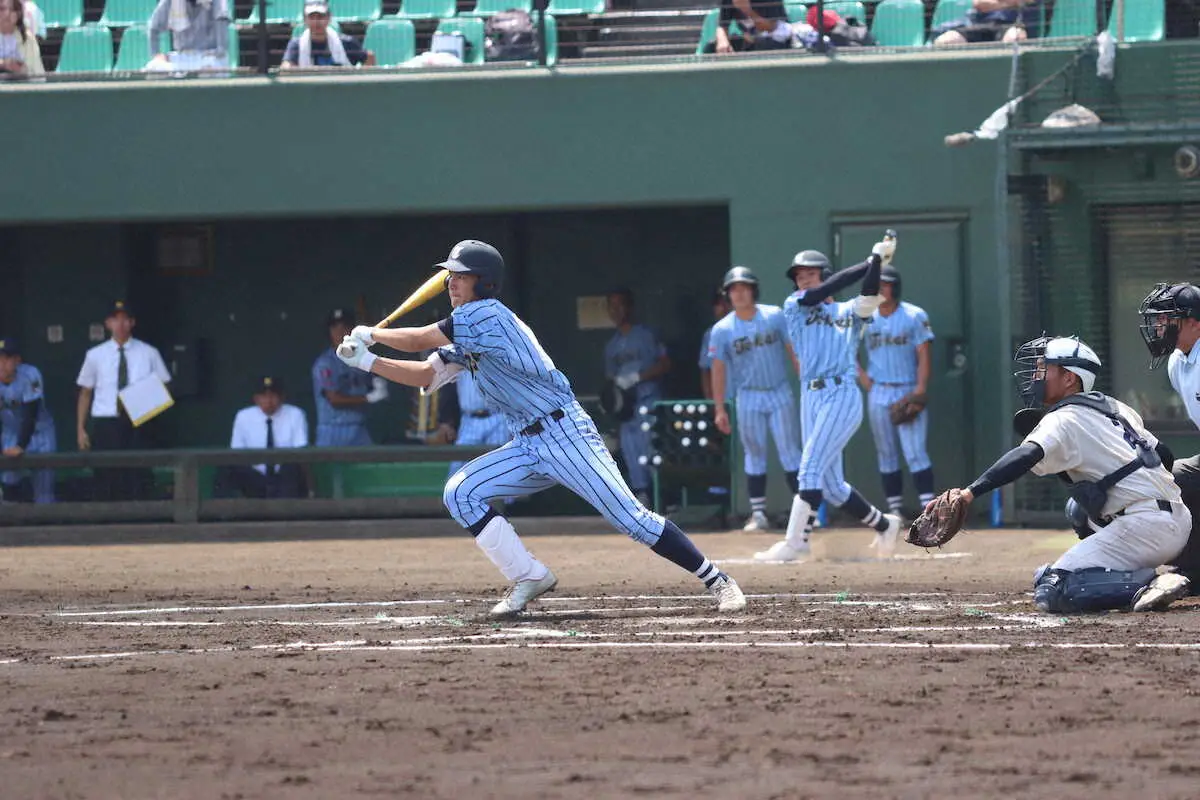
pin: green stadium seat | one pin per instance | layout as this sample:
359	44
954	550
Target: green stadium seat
949	10
356	10
426	9
551	41
472	30
1145	20
564	8
88	48
235	46
1073	18
62	13
485	8
708	30
796	12
393	41
134	50
123	13
899	23
279	12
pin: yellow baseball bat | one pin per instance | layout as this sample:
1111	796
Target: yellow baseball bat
426	292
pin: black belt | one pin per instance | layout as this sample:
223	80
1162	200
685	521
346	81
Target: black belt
479	414
1163	505
537	427
821	383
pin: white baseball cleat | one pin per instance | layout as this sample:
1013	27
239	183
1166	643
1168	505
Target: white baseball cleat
729	595
758	522
521	593
1161	592
885	543
784	551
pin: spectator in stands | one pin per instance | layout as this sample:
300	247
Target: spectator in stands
993	21
19	51
269	423
35	20
107	369
763	25
317	48
199	35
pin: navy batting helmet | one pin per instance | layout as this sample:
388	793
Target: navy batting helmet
890	274
474	257
740	275
810	259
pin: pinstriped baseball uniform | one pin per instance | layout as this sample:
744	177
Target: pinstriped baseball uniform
639	349
754	352
892	343
825	338
478	424
339	427
27	387
705	360
554	440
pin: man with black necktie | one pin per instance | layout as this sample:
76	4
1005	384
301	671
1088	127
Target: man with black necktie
269	423
107	369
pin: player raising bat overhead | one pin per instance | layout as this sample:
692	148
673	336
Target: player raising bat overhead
554	441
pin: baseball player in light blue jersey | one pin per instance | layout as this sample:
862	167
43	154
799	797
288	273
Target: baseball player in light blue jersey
554	440
634	359
25	423
341	393
721	308
750	351
464	412
824	336
897	342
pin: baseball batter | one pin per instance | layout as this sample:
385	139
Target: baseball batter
749	351
634	359
25	423
1124	503
897	342
554	441
825	338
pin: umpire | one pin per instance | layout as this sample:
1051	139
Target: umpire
1170	327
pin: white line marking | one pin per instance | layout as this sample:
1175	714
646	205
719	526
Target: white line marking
742	562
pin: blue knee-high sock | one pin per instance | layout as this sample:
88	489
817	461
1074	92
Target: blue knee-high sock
756	486
893	489
675	546
857	506
924	483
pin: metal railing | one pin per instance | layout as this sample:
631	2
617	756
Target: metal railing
188	506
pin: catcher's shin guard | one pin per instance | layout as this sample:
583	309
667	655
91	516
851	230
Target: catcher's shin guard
1093	589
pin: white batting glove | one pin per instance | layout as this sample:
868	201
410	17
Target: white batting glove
885	250
355	354
443	372
626	380
379	390
364	334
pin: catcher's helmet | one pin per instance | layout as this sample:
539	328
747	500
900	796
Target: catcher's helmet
890	274
1067	352
810	259
1162	311
477	258
740	275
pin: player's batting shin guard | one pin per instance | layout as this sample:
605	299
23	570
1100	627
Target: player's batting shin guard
500	543
800	522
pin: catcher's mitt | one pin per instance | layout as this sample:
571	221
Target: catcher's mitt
940	521
906	409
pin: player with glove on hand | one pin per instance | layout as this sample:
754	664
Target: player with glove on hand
1129	511
554	441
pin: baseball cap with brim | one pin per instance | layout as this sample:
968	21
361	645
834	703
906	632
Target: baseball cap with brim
269	383
8	346
316	8
343	316
120	307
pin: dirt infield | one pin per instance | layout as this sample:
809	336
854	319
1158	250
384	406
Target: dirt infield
329	669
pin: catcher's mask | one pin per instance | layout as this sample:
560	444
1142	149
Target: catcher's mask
1162	312
1067	352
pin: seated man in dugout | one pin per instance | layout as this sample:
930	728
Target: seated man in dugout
994	21
318	46
269	423
199	35
763	25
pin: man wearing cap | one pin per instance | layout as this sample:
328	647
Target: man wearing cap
107	369
320	47
342	393
269	423
25	423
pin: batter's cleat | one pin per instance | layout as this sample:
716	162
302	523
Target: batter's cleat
522	593
758	522
729	595
1161	592
784	551
885	543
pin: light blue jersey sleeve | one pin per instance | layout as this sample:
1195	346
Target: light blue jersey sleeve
32	388
922	330
705	361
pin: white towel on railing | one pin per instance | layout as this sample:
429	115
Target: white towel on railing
336	51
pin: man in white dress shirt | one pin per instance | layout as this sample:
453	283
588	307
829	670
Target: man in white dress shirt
107	369
268	423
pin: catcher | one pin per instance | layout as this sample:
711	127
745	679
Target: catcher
1125	505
